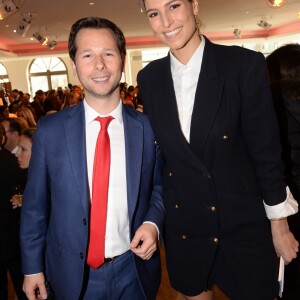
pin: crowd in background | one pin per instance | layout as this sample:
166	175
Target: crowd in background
28	111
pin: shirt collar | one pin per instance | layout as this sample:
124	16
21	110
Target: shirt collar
91	114
194	62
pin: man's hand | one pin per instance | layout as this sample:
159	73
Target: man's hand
34	287
144	242
284	241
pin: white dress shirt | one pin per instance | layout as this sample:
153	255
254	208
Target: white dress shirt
185	79
117	238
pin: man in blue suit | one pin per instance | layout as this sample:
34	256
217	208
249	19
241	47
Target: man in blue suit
55	219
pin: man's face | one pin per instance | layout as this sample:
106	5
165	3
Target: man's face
99	64
12	137
15	95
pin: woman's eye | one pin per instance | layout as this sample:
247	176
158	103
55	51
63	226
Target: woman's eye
151	15
174	6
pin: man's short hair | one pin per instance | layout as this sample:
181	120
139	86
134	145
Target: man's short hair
14	124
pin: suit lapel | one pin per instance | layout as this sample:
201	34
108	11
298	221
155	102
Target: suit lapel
76	147
133	130
207	99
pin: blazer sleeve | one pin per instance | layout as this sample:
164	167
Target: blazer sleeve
34	210
261	133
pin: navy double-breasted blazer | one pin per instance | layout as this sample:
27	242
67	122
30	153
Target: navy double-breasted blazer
55	212
214	186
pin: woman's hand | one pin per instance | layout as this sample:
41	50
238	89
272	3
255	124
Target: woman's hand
284	241
16	201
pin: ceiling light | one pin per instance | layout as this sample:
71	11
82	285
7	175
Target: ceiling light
237	33
23	27
276	3
7	7
41	39
264	24
51	45
44	41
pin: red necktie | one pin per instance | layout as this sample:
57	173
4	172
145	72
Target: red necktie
101	169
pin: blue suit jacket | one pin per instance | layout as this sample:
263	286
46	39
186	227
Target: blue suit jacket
55	212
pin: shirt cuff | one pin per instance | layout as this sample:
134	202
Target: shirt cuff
287	208
154	226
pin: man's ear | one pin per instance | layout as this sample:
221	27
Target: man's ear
3	142
73	65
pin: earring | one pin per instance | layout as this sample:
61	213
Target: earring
197	23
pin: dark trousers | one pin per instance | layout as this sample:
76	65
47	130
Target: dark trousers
13	266
117	280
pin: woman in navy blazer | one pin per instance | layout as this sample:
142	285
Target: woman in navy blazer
211	110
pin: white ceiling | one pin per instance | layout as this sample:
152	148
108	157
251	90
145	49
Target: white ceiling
53	18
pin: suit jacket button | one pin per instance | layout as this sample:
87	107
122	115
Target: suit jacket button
184	237
156	142
170	174
213	209
225	137
81	255
84	222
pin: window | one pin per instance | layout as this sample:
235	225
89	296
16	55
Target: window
150	55
5	85
3	74
47	73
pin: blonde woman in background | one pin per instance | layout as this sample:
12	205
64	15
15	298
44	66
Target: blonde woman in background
28	115
69	99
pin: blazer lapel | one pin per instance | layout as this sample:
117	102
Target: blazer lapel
207	99
166	115
133	130
76	147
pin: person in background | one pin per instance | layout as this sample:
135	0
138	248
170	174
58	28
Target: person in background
11	179
15	101
69	99
225	194
38	103
23	154
125	100
4	111
284	73
13	130
25	100
60	203
78	90
28	115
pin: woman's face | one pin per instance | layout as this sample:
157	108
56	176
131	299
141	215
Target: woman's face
122	95
173	22
24	152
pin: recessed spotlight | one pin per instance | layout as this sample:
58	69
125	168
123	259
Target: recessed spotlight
92	3
276	3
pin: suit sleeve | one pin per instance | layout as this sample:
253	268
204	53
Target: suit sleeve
156	209
35	210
